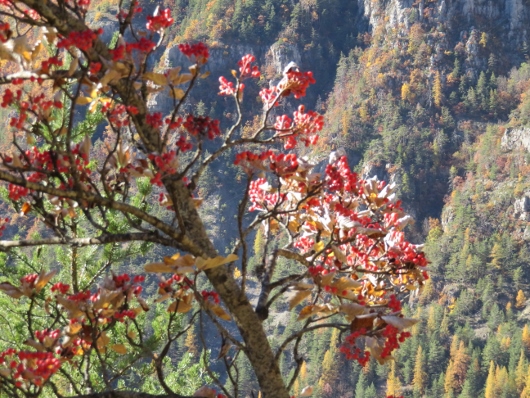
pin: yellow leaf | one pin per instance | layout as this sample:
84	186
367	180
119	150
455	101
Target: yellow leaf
237	273
345	283
319	246
119	348
157	78
177	93
298	298
204	264
219	312
306	312
205	75
81	100
158	267
181	79
103	341
43	279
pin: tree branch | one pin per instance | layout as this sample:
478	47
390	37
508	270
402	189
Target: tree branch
78	242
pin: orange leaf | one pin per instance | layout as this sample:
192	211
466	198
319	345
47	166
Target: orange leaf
43	279
119	348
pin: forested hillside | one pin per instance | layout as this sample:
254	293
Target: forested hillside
433	95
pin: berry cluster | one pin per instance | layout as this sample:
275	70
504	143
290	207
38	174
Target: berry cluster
202	126
351	351
198	52
29	368
160	21
246	69
83	40
213	296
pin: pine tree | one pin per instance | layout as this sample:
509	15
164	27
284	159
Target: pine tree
482	91
419	380
520	372
526	337
360	386
489	391
449	381
393	385
435	357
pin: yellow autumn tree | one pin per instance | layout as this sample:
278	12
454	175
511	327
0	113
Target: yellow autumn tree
364	115
393	385
520	372
490	382
420	376
526	337
406	94
437	93
520	300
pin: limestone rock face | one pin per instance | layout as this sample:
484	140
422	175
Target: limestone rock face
516	138
521	207
512	16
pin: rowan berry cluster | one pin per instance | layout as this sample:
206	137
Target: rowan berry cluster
213	296
83	40
197	52
29	368
246	68
202	126
161	21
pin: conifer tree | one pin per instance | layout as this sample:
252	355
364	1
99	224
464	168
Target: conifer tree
420	377
525	337
437	90
393	385
489	391
521	372
520	300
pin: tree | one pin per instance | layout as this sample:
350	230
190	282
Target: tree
437	90
520	300
490	387
136	193
419	381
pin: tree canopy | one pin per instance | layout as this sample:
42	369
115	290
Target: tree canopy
105	177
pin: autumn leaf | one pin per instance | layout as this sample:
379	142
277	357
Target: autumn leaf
119	348
399	323
306	312
158	268
365	321
157	78
351	310
43	279
306	391
81	100
298	298
218	311
177	93
26	207
209	263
